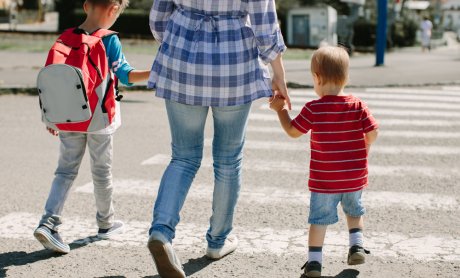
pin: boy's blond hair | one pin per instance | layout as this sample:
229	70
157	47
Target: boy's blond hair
331	64
122	3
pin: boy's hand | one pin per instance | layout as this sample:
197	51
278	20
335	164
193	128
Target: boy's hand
277	103
52	131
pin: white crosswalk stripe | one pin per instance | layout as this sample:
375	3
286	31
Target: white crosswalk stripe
395	98
393	112
380	149
292	167
190	238
415	91
266	117
382	133
270	195
384	102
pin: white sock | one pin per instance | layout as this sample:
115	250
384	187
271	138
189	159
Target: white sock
356	237
315	254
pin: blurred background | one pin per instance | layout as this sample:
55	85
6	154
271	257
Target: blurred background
305	23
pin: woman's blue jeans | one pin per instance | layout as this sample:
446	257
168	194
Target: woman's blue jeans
187	125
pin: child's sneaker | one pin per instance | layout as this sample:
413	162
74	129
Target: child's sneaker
51	240
356	255
166	261
230	245
312	269
116	228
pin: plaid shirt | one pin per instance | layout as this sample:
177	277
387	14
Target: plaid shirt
214	53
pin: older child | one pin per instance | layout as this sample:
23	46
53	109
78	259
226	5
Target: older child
101	14
342	130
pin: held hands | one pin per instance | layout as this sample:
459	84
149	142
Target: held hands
279	88
277	103
52	131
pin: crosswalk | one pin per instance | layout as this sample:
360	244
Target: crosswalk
251	241
412	166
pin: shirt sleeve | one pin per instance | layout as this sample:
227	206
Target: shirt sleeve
159	16
368	121
117	61
304	121
264	23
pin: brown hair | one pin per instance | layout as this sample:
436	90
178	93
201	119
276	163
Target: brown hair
331	64
122	3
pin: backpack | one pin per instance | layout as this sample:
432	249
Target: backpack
77	91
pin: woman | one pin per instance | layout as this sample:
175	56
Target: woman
213	55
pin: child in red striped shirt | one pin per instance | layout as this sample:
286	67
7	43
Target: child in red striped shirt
342	130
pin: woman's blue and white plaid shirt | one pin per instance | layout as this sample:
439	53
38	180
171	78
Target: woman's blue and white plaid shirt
214	53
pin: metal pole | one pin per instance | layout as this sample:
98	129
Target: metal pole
381	43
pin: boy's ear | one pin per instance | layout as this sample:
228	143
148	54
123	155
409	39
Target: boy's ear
86	6
114	10
317	77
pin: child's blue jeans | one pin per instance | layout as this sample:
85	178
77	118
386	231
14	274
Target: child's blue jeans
323	207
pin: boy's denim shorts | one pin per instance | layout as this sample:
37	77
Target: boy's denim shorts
323	207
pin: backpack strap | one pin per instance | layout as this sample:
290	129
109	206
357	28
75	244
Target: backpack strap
74	37
102	33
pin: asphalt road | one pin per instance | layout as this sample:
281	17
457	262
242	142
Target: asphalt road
412	224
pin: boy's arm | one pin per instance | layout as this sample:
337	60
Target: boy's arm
119	65
277	104
135	76
285	121
370	138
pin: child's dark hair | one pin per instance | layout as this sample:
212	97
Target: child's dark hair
122	3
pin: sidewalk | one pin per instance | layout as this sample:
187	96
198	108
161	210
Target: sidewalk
49	25
403	67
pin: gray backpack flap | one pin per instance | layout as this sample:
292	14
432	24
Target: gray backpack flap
62	94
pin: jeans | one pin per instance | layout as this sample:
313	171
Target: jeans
187	124
323	207
72	149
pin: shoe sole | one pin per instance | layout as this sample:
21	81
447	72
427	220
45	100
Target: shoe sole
356	258
162	261
109	235
216	258
50	243
313	273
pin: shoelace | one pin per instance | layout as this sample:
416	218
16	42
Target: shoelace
304	266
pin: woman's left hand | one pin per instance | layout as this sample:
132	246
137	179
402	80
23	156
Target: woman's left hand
280	89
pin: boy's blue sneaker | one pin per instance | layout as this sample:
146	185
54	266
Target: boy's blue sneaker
51	240
356	255
311	269
116	228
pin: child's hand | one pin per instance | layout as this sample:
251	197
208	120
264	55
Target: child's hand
52	131
277	103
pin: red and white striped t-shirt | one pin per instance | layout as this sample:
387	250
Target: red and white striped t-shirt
338	150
